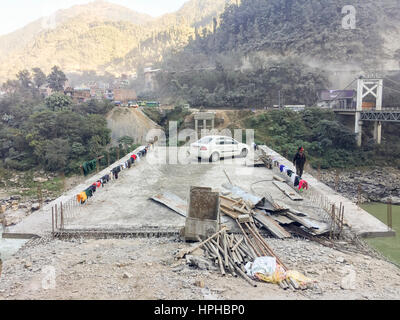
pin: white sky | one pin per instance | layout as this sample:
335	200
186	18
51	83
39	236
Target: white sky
15	14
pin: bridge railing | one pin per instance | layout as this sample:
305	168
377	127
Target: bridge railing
384	109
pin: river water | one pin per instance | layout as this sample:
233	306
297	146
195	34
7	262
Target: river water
9	246
389	247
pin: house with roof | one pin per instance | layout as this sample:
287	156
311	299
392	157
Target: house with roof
337	99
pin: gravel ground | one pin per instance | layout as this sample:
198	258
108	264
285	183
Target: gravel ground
146	269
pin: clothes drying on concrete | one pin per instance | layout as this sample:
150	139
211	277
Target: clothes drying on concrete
303	185
113	175
296	180
97	184
82	197
89	193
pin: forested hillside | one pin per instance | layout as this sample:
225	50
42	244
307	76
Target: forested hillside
53	133
103	37
260	47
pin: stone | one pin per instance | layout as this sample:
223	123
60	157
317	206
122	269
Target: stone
40	179
348	282
28	264
199	283
127	275
340	260
15	197
198	262
13	217
35	206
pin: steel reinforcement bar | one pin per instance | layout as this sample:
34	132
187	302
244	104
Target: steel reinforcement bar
102	234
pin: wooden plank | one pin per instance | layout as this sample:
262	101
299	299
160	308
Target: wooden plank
292	194
300	220
281	219
173	202
229	212
271	225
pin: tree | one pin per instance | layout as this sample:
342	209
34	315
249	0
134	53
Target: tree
56	154
39	77
58	101
25	79
56	79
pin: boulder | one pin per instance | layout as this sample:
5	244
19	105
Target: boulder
199	262
340	260
40	179
349	281
15	197
35	206
394	200
13	217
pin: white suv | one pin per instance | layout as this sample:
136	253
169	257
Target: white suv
216	147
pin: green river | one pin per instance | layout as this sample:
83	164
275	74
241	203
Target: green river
389	247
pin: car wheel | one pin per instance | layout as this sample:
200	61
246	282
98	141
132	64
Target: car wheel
214	157
244	153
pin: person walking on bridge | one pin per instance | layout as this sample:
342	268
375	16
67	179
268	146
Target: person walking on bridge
299	161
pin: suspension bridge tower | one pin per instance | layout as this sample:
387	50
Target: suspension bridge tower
368	87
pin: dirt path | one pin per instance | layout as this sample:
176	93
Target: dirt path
146	269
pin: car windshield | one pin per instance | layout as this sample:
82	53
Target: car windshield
205	140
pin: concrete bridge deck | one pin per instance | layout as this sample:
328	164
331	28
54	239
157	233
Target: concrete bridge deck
124	203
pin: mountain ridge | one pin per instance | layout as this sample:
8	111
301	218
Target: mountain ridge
44	43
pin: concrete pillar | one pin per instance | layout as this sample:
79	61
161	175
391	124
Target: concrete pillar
204	124
212	124
358	124
196	127
378	132
358	128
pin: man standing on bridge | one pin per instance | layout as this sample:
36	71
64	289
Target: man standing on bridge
299	161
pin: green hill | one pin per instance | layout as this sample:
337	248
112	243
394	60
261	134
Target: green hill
101	36
296	47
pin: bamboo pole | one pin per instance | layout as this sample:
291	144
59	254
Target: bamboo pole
202	243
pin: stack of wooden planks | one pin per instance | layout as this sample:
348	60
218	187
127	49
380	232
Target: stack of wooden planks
232	252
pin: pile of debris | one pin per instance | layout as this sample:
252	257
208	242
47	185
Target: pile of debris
237	245
243	252
278	219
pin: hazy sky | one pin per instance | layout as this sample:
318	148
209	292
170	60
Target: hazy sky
15	14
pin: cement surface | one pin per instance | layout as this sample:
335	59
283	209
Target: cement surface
125	203
359	220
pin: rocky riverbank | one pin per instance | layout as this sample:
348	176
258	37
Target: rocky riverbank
14	209
375	184
19	193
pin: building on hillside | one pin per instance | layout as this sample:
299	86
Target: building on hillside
124	95
337	99
81	95
109	94
97	93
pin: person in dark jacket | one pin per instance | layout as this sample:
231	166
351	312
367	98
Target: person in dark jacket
299	160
